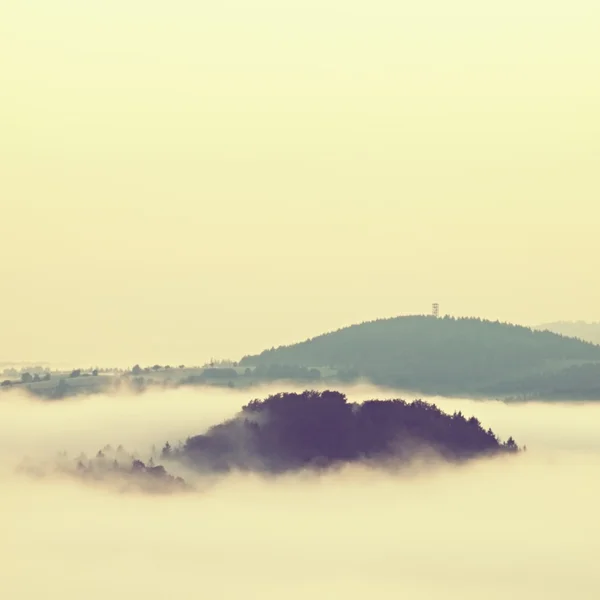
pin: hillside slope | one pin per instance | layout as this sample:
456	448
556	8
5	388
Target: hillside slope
446	355
589	332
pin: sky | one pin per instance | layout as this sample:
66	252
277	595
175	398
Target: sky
185	180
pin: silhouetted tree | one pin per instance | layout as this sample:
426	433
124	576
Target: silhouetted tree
166	451
138	465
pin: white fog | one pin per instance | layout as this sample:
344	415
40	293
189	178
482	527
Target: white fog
522	527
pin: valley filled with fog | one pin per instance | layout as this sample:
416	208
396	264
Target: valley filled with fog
521	526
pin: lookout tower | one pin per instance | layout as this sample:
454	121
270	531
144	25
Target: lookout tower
435	310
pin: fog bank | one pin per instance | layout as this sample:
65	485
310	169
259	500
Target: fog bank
521	528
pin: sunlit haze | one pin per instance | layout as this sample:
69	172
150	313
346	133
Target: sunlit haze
186	179
186	186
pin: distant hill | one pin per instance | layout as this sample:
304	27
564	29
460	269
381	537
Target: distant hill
444	356
589	332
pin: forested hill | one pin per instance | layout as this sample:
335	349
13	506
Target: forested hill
589	332
290	432
436	355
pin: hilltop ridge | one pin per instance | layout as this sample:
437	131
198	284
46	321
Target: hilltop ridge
588	332
444	355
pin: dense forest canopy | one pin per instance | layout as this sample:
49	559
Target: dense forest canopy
287	432
436	355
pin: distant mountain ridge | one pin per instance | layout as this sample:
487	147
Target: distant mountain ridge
589	332
445	356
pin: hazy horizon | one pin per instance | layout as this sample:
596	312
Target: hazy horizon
566	328
184	180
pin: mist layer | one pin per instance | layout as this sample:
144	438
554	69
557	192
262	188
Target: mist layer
524	528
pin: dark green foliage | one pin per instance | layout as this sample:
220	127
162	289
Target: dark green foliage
290	372
444	356
576	329
580	382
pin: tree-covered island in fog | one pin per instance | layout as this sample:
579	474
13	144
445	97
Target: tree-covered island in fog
291	431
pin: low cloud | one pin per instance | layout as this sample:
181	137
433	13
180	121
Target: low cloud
520	528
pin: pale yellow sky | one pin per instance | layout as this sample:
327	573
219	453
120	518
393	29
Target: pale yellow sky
184	179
